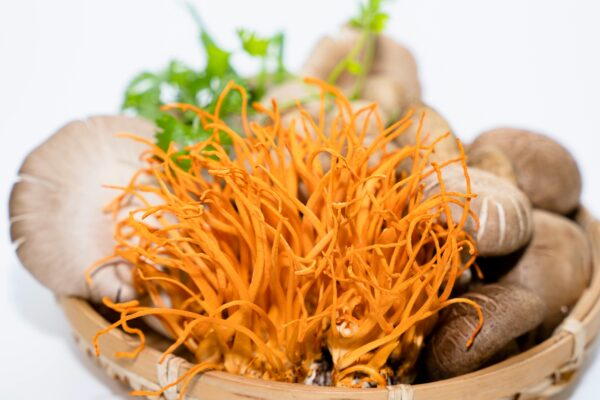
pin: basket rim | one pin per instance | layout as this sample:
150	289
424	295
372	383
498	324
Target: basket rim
520	372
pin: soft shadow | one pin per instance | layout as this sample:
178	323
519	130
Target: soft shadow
38	307
34	303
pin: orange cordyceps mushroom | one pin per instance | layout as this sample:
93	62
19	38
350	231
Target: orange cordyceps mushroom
264	284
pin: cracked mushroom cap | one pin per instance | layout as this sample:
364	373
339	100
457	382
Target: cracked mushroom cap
545	171
394	69
504	212
509	311
56	206
556	265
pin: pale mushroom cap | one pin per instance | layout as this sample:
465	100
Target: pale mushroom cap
556	265
287	93
509	311
56	206
504	212
434	126
392	61
546	172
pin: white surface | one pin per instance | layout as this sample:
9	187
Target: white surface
483	63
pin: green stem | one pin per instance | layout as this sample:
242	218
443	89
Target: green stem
367	64
280	45
352	55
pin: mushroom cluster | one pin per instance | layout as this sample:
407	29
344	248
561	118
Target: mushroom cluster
534	261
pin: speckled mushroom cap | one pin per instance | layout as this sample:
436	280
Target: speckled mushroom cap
56	206
504	212
556	265
394	70
546	172
509	311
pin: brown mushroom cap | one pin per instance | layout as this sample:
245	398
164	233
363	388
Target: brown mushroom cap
509	311
56	206
491	159
546	172
434	126
556	265
504	212
388	93
392	61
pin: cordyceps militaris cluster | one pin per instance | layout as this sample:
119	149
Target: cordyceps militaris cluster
306	243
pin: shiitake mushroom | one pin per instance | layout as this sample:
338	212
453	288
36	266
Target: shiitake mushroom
509	311
545	171
491	159
503	211
556	266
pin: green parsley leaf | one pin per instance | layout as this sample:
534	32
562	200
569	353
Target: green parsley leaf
172	129
253	44
202	87
217	59
142	95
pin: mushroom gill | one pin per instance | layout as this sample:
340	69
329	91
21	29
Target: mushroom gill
56	206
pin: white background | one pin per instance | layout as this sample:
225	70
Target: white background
533	64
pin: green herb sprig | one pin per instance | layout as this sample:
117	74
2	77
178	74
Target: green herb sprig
371	21
180	83
177	82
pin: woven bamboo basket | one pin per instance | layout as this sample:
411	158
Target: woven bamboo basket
547	371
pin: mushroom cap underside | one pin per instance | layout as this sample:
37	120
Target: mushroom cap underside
56	206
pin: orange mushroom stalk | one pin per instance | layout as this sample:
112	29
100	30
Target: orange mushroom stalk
266	258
